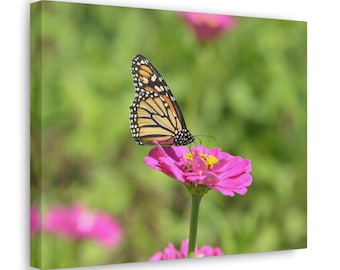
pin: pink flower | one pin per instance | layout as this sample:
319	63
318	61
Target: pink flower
35	223
203	167
171	253
78	223
208	26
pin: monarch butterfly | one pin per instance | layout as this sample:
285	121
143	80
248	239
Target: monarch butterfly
154	113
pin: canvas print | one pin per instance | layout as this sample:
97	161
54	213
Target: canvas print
159	135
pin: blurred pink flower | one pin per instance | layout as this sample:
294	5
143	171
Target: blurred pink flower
78	223
35	222
202	166
171	253
208	26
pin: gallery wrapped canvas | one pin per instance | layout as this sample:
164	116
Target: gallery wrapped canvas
159	135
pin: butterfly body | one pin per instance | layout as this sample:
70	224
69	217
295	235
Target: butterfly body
154	113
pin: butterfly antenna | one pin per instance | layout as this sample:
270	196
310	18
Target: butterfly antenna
200	141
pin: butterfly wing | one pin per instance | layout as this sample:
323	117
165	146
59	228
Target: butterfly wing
154	113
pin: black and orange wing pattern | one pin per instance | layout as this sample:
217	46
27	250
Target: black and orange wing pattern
154	113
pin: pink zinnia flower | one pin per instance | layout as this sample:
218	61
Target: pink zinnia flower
203	167
78	223
35	223
208	26
171	253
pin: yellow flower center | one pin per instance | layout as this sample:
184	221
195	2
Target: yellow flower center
209	160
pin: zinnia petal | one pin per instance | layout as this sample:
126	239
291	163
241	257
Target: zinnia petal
207	26
171	253
76	222
35	222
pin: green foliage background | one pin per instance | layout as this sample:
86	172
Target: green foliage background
244	92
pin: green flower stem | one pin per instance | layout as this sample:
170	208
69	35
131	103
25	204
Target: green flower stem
196	199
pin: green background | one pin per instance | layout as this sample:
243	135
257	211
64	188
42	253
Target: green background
244	92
